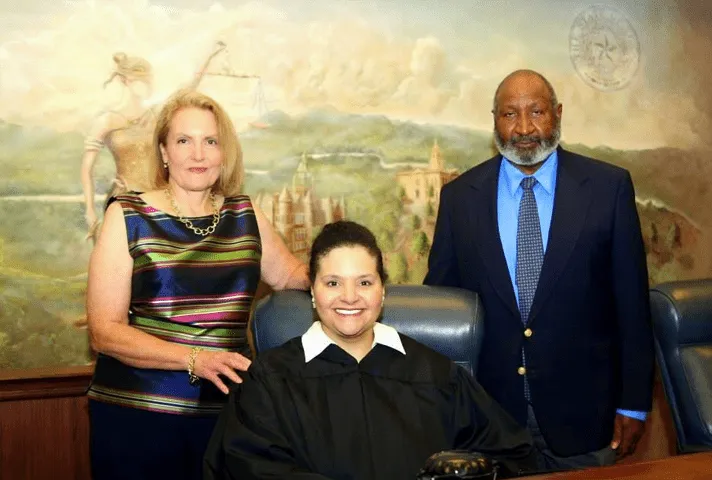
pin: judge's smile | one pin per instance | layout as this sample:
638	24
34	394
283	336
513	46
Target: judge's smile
198	169
350	311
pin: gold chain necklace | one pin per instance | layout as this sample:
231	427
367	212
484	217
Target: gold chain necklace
200	231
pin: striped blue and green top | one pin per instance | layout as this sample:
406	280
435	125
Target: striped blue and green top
185	289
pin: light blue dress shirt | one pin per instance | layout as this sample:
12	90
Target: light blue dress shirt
509	195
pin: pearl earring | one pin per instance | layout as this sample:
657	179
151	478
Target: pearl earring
313	303
165	165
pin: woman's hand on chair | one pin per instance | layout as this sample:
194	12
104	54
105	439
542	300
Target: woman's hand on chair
210	364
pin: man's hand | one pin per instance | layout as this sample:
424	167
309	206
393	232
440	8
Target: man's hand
626	433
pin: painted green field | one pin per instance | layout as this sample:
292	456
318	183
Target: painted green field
43	253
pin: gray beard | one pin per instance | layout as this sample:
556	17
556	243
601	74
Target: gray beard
528	157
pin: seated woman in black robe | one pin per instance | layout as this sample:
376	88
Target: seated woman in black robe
352	398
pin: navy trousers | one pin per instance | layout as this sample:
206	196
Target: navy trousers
128	443
549	462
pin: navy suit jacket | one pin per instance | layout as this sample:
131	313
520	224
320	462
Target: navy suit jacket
591	348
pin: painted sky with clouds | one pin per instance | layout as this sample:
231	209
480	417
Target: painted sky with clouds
427	61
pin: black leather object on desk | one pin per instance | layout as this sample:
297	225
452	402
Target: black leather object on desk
448	320
682	322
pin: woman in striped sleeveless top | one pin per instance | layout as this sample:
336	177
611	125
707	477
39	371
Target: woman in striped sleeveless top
171	283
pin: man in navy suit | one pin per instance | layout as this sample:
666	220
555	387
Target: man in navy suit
551	242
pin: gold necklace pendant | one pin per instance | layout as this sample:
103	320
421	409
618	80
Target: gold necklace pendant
199	231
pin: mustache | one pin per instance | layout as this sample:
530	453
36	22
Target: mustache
514	139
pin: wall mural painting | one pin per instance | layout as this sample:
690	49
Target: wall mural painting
359	110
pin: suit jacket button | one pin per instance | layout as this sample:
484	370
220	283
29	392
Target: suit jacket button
528	332
521	370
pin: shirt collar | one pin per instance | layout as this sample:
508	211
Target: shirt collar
545	176
315	340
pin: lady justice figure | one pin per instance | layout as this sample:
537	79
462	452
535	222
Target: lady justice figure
126	131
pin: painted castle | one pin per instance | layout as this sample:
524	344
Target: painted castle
421	186
297	214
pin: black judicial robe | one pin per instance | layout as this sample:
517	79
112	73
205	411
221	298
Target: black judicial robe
335	418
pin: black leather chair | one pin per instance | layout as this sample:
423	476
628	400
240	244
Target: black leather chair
682	322
448	320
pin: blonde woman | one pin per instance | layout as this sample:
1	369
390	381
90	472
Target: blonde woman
171	282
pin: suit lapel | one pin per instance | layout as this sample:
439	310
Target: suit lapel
571	203
486	228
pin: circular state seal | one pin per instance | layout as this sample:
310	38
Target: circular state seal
604	47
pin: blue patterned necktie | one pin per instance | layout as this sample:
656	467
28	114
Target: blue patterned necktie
530	249
530	257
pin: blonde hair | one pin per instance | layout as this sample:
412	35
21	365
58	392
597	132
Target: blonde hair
229	182
134	68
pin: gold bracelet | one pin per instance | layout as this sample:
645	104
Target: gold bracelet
193	379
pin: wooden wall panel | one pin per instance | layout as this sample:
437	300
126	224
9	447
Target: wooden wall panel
44	424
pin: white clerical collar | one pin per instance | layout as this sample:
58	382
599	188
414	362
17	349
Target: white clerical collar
315	340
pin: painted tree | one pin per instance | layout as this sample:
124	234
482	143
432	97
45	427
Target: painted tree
398	268
415	222
417	271
401	193
420	244
385	241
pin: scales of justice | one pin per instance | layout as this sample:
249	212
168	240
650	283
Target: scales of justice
259	103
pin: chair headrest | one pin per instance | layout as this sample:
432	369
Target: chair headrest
448	320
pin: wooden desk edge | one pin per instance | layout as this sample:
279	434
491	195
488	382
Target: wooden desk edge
626	470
